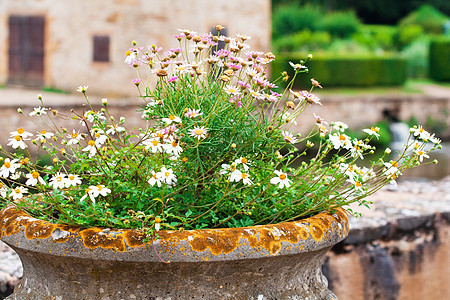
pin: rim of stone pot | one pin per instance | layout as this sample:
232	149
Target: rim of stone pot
23	232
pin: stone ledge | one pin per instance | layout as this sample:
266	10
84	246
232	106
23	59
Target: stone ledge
399	249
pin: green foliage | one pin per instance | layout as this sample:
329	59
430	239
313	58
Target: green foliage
350	70
409	33
302	41
417	57
292	18
340	24
50	89
428	17
440	59
377	37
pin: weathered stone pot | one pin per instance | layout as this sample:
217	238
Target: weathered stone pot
280	261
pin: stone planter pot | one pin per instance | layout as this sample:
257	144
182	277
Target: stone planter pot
280	261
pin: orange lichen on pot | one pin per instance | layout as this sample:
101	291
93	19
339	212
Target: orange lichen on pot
268	237
272	237
97	237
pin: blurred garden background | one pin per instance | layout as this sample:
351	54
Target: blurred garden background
365	43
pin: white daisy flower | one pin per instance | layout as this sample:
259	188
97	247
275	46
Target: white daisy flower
237	176
44	135
21	132
421	154
9	167
72	180
131	58
372	131
18	192
153	144
3	190
243	161
281	179
171	119
74	138
91	148
193	113
155	179
340	141
198	132
94	191
289	137
173	147
17	142
167	176
82	89
113	129
38	111
33	179
339	126
58	181
420	132
231	90
356	184
15	176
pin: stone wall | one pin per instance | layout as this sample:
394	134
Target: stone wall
400	249
71	25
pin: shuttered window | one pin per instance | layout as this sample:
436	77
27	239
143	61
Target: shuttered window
101	48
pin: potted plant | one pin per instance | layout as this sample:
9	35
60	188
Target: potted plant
214	198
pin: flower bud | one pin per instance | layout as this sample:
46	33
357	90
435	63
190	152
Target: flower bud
19	110
387	151
233	145
105	101
39	97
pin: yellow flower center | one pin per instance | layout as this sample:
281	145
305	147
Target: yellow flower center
244	160
166	174
358	184
20	130
17	138
244	175
35	174
198	131
71	177
394	164
128	53
174	144
91	143
75	135
341	137
99	187
282	176
155	143
97	135
172	117
17	191
420	152
7	164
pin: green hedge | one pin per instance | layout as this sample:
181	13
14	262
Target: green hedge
440	59
332	70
